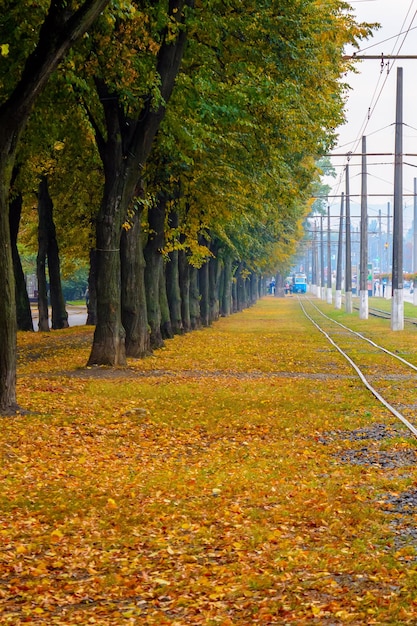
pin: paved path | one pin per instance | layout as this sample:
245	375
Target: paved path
77	315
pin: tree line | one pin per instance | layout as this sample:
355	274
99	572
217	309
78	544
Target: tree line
173	144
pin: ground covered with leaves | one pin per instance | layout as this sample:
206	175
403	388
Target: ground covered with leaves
241	475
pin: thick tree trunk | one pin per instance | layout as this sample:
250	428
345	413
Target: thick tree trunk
262	289
234	291
166	327
226	302
153	273
91	296
184	283
134	309
214	271
203	281
241	289
43	321
279	286
109	336
23	311
7	306
59	313
253	283
173	284
152	277
195	309
174	293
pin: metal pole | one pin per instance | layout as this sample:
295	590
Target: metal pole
329	258
397	305
389	222
338	295
415	243
314	262
322	288
389	243
380	243
415	227
363	264
348	265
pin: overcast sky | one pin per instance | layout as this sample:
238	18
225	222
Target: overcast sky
371	107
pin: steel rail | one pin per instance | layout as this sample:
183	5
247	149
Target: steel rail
354	332
386	315
362	377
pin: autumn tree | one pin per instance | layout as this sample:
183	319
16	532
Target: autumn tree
254	111
33	42
133	60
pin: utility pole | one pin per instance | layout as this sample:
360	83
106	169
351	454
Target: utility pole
322	287
363	265
329	258
415	243
314	261
415	227
348	264
389	246
338	295
397	305
380	242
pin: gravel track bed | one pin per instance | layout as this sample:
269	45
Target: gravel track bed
400	507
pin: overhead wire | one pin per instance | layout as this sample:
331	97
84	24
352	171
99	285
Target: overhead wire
373	45
377	95
393	53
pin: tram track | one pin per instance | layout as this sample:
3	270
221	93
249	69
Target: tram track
374	312
391	378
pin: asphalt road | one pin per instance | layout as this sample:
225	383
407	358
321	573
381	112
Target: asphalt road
77	315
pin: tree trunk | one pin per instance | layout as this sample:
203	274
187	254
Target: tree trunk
203	280
23	311
253	283
91	295
166	328
262	289
7	306
226	302
214	272
279	286
195	309
241	289
45	205
43	322
154	261
173	291
152	276
234	291
184	283
134	310
109	336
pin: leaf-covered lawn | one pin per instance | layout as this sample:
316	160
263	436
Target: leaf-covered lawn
212	483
